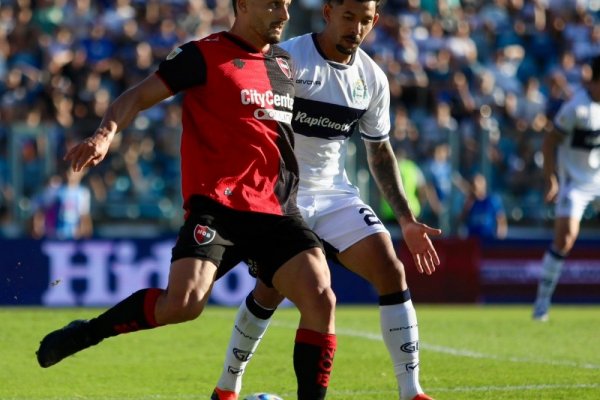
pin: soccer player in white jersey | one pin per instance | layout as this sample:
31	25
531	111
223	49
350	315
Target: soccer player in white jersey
572	177
340	88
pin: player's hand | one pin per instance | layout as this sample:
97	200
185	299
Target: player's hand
550	188
416	236
89	152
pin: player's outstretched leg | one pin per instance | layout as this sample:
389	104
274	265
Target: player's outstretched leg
551	269
64	342
400	333
129	315
251	323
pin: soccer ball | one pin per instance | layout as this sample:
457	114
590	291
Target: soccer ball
262	396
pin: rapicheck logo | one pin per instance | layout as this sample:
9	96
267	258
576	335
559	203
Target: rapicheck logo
324	122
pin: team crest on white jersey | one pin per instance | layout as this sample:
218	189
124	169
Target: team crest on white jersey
359	90
203	234
285	67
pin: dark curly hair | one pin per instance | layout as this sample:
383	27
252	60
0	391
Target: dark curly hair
378	3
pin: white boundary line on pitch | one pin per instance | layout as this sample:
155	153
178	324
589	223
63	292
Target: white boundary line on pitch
470	389
460	352
364	392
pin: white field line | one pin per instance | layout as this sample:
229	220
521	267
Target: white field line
471	389
460	352
337	393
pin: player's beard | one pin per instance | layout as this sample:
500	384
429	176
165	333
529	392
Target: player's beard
348	50
273	34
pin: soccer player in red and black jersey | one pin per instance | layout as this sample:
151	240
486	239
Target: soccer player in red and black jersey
239	180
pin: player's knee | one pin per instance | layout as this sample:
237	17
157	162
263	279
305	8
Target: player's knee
183	311
324	302
565	243
267	297
330	300
388	278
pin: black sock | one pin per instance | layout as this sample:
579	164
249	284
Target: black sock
256	309
394	298
313	361
134	313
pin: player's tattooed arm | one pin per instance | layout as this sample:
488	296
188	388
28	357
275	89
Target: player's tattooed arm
384	168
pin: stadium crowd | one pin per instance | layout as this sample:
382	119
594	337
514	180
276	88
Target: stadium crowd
474	84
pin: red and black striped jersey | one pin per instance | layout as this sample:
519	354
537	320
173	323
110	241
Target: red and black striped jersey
237	141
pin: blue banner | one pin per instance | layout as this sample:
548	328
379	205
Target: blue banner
103	272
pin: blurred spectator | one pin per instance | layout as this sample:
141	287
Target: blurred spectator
63	208
404	133
483	214
430	39
530	107
439	176
413	182
504	66
558	92
113	18
486	92
31	151
437	128
165	39
586	49
79	15
98	47
448	62
462	47
569	68
458	96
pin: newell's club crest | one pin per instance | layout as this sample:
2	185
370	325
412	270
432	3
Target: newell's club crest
203	234
285	67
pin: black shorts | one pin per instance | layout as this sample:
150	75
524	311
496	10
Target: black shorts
226	237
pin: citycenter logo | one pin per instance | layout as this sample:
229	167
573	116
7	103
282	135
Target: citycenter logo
268	98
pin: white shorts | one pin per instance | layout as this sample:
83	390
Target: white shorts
340	219
573	198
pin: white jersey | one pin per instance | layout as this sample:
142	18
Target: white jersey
331	101
579	152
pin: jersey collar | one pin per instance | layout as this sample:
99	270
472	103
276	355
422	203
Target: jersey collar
331	63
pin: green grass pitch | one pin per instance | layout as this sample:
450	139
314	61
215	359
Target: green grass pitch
467	352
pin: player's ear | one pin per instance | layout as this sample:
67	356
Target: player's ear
242	5
327	12
375	19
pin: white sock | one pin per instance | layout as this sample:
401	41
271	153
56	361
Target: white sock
247	332
401	336
551	268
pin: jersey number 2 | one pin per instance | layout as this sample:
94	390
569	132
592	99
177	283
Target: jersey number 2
370	218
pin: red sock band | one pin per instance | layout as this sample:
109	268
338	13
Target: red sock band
316	338
150	304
